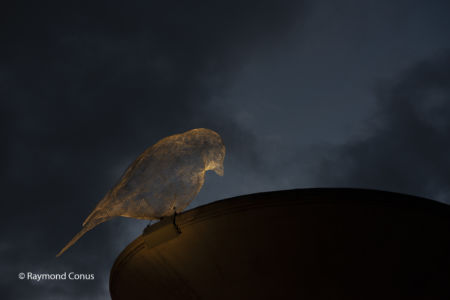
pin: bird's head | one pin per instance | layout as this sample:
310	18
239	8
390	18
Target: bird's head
211	147
215	161
215	154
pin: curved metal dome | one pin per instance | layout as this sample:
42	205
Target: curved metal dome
295	244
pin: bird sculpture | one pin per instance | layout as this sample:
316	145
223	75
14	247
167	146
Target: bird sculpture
162	181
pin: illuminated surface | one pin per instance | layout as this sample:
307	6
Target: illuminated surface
162	180
298	244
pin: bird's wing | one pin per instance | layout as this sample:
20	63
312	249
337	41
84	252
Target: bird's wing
104	206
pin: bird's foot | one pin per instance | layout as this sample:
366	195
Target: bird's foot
174	220
174	214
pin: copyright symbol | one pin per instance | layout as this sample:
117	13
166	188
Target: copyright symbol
21	276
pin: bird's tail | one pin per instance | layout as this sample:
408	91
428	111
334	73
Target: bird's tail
99	209
91	216
88	226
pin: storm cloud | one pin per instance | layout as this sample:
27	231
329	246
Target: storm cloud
406	144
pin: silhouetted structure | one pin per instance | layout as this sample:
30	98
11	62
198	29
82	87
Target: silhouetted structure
296	244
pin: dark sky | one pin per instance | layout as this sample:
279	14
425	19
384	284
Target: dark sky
305	94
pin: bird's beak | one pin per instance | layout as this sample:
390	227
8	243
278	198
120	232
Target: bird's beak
219	170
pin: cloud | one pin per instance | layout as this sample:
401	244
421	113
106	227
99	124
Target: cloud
408	144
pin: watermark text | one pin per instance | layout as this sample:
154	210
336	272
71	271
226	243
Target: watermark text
55	276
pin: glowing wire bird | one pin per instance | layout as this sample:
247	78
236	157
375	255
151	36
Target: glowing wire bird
162	181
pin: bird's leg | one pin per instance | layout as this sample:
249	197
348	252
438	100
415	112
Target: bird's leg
174	220
174	214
